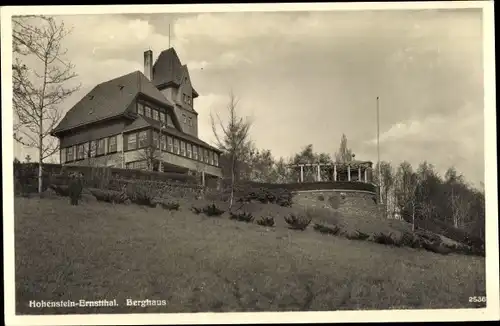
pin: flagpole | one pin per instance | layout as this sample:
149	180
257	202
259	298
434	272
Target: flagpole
378	150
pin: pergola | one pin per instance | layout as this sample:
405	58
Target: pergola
355	170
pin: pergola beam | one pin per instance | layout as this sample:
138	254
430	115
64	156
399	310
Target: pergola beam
337	167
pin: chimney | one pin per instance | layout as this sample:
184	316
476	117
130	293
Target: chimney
148	64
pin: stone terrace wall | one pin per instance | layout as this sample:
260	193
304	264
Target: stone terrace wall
350	203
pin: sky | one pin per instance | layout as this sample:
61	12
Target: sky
308	77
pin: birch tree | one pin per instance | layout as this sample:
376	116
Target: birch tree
41	82
406	185
233	138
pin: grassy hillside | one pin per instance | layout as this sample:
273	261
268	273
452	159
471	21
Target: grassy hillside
198	263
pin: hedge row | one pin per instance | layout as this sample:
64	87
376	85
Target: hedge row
340	185
26	176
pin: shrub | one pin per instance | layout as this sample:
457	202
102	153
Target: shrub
410	240
266	221
326	229
357	235
142	193
212	210
385	239
109	196
435	247
248	193
321	198
26	178
60	190
171	206
75	189
428	236
298	222
241	216
196	210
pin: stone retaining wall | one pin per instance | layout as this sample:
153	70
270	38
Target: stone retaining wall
352	202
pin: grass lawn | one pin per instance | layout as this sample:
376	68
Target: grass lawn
198	263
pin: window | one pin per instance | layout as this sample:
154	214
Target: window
190	154
206	156
69	154
163	142
176	146
216	159
155	139
169	121
211	157
101	146
186	99
195	152
184	118
80	154
147	111
86	150
170	144
131	141
143	139
155	115
112	144
63	155
183	148
140	108
93	148
200	154
162	117
190	122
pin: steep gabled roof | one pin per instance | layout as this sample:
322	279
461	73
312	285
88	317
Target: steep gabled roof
109	99
168	70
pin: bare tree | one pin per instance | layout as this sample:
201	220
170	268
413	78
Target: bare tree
234	140
460	209
37	93
387	182
151	155
405	187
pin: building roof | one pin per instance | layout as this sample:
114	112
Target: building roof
109	99
145	122
168	70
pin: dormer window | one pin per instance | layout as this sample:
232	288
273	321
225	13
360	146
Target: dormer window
140	108
186	99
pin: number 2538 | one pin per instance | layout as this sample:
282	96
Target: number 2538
477	299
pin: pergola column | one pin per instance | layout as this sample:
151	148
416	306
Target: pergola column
301	173
366	175
334	172
319	172
359	173
348	173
